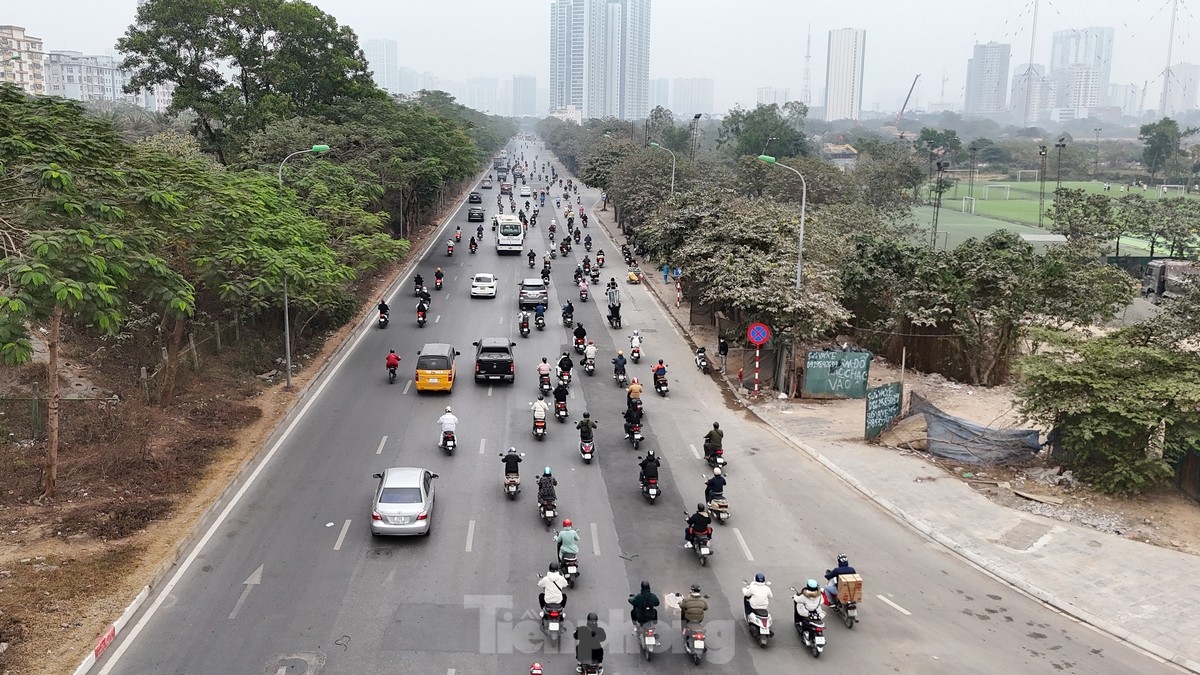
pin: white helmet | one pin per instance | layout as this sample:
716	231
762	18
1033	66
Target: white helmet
448	409
635	332
717	472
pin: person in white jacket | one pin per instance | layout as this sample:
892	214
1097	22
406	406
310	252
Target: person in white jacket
808	600
447	422
757	595
540	408
552	585
589	352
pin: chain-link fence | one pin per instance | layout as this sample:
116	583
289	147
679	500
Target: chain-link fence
25	419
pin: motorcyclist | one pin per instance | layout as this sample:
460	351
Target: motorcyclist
539	312
632	416
450	244
635	340
472	244
843	567
544	368
422	306
561	393
590	642
633	391
580	332
540	408
714	486
808	600
552	585
447	422
426	296
382	307
532	257
564	363
419	281
587	241
586	426
619	364
393	359
566	541
757	595
713	440
583	287
546	483
523	319
649	467
692	609
644	604
511	459
698	522
577	275
438	275
568	310
660	370
589	352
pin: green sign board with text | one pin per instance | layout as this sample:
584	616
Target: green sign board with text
836	374
883	407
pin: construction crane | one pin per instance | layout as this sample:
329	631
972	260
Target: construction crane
900	115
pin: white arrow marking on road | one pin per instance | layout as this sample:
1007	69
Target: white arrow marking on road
896	607
694	451
250	582
482	442
470	534
489	390
382	442
406	386
437	318
595	541
745	549
341	536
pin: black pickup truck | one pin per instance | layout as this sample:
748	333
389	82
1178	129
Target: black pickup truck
494	360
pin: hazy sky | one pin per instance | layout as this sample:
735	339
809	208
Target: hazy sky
742	45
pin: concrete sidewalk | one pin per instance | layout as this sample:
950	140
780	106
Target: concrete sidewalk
1141	593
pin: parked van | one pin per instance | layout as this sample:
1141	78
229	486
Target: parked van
435	367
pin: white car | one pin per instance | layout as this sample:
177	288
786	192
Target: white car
526	192
483	286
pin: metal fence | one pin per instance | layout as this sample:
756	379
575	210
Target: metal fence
26	419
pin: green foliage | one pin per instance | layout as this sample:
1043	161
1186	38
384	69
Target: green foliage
767	129
942	142
1123	412
827	184
603	158
1163	143
887	175
1083	217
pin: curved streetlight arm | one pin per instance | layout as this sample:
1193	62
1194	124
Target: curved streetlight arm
803	207
660	147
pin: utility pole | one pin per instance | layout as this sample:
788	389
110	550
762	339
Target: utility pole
971	176
1096	161
1162	109
1060	145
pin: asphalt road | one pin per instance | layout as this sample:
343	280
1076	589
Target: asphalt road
331	599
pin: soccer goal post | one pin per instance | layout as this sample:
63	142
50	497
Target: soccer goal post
987	189
1164	189
1021	174
968	205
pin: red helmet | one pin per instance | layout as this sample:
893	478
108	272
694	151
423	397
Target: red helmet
566	522
535	669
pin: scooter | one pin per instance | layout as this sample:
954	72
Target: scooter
420	319
512	483
700	544
650	488
531	263
552	623
524	327
847	610
437	284
458	235
579	345
568	320
586	450
595	275
587	246
718	507
391	374
693	642
635	434
474	248
715	457
702	363
449	249
621	379
758	622
544	383
539	429
546	511
570	567
564	378
448	442
589	366
583	295
646	639
660	385
810	627
635	354
599	261
383	319
540	322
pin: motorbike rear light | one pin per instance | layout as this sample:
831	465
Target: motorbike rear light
719	452
375	516
654	481
553	614
649	632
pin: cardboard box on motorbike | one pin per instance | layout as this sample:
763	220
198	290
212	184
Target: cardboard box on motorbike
849	588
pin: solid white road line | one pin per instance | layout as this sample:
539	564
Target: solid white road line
187	563
382	443
695	451
437	318
501	321
482	443
745	549
342	536
595	541
406	386
470	534
896	607
489	390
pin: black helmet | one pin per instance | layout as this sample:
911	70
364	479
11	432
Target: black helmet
760	578
553	567
645	586
716	425
587	415
541	398
544	360
592	619
391	351
843	561
695	589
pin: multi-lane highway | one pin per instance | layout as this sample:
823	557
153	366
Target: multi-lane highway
291	581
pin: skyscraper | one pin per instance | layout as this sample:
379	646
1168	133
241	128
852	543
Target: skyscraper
844	74
987	80
1088	47
693	95
600	57
524	96
660	93
24	60
385	67
771	95
1033	94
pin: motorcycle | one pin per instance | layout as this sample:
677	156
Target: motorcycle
700	544
391	374
448	442
620	378
449	249
544	383
531	263
570	568
599	261
417	289
577	237
587	246
758	622
702	363
383	319
660	385
551	236
847	610
693	642
539	429
586	450
560	411
579	345
646	640
810	627
595	275
437	284
568	320
474	248
564	378
512	484
546	510
420	319
552	621
524	327
583	295
718	507
458	235
650	488
635	434
635	354
715	457
539	322
589	366
546	276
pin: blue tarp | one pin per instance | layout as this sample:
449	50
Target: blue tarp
970	443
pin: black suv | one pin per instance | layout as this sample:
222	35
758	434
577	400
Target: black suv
474	198
475	214
494	360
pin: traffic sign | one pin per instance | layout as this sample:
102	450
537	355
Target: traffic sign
758	334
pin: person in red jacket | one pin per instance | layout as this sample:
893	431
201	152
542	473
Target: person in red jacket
393	359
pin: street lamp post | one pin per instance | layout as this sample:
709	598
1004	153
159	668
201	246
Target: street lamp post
1060	145
656	145
287	319
971	178
803	206
695	134
937	203
1096	161
1042	192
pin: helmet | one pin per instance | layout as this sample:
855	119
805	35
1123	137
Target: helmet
759	577
660	362
649	454
645	586
695	589
391	351
635	331
546	471
448	409
535	669
717	471
716	425
553	567
592	619
811	585
439	269
512	450
590	342
633	381
700	507
541	398
620	352
566	522
843	561
586	415
543	359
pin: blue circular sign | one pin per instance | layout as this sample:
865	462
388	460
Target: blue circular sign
758	333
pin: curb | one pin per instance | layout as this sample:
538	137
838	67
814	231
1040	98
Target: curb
210	512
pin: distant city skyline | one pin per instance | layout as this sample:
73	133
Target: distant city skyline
844	69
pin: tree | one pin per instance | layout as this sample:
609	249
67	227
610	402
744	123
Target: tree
764	130
1163	141
641	183
603	158
941	142
886	176
1083	217
827	184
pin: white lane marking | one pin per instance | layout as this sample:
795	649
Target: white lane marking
470	534
501	321
381	444
896	607
571	392
745	549
595	541
447	296
450	672
233	502
406	386
490	390
282	670
482	443
253	580
694	450
342	535
437	318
